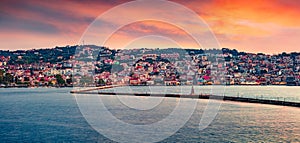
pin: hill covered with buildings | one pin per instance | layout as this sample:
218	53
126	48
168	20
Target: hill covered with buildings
92	65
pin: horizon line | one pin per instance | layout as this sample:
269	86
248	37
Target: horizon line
190	48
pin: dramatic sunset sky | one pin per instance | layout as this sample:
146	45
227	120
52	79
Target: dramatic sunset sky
270	26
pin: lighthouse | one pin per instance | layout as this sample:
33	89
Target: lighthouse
192	91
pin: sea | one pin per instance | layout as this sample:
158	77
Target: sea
53	115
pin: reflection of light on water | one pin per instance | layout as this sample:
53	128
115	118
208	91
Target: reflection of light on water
236	122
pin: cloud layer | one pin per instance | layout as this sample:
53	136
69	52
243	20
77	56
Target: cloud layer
270	26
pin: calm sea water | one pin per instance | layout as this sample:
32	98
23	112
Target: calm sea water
52	115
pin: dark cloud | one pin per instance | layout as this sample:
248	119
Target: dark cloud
16	9
13	24
29	16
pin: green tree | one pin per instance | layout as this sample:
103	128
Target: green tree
101	82
2	76
50	83
8	78
60	80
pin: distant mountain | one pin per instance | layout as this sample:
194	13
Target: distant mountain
51	55
60	54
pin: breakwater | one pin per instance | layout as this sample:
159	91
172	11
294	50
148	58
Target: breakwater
193	96
93	89
214	97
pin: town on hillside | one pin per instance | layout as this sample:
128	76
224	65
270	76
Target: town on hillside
91	65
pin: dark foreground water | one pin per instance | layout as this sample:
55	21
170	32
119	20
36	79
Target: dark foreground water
52	115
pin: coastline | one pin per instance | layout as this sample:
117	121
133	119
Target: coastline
35	87
68	86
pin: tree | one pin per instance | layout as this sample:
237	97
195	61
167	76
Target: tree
8	78
2	76
201	51
50	83
101	82
60	80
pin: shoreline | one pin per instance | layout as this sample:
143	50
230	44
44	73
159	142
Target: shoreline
149	85
29	87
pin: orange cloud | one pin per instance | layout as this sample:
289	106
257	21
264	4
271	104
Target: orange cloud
257	25
282	12
136	30
266	25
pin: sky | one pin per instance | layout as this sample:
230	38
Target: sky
268	26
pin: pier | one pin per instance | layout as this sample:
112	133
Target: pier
93	89
191	95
